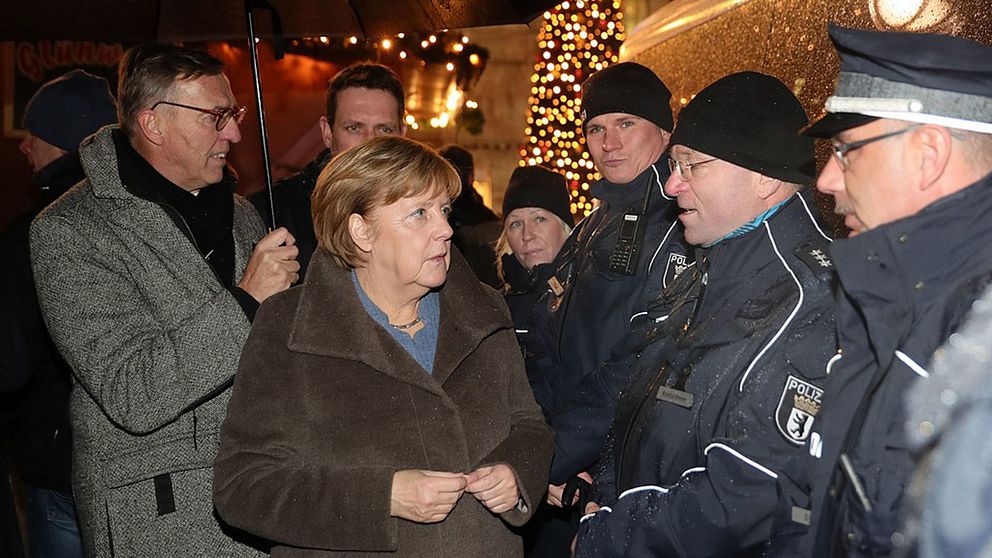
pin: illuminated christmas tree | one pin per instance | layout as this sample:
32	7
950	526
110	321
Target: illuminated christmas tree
577	39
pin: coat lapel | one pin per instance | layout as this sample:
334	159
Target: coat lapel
144	219
470	312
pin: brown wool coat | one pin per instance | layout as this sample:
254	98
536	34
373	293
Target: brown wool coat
327	406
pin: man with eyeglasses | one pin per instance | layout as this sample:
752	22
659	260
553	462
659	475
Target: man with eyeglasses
363	101
729	383
149	273
910	123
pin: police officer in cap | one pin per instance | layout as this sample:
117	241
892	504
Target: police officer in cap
731	384
614	260
910	123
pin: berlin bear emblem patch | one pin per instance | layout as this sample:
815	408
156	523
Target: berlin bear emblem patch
798	406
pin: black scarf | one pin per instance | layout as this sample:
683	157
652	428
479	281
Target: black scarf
206	218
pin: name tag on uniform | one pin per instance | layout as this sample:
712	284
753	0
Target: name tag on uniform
801	516
672	395
555	285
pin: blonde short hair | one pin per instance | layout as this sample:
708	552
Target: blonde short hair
370	175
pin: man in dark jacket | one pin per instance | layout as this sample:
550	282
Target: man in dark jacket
729	385
476	228
615	260
57	118
364	101
910	123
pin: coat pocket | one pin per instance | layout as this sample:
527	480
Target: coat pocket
139	524
164	456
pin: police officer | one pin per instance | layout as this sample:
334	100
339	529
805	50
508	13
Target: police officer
910	123
614	260
732	383
536	223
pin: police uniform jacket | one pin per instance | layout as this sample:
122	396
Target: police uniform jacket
522	292
726	393
905	287
587	308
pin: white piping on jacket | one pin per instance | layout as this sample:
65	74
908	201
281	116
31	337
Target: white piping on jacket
788	320
661	187
742	457
815	224
833	360
658	249
912	364
692	470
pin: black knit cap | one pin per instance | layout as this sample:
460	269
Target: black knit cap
69	108
751	120
538	186
629	88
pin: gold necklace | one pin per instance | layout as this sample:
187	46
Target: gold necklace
407	325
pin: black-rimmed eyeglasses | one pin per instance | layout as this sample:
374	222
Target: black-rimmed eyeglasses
841	149
684	168
221	116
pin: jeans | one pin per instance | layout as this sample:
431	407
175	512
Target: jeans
52	525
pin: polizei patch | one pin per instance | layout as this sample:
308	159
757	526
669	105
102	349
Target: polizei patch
677	263
797	408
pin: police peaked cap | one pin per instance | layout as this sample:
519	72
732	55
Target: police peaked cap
917	77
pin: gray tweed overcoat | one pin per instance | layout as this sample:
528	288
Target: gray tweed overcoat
153	339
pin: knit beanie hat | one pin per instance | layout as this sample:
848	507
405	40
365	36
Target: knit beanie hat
630	88
69	108
538	186
751	120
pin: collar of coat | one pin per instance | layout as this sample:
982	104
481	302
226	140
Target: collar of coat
58	176
747	268
149	220
631	194
894	271
330	321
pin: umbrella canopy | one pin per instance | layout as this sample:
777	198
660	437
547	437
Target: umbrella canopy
200	20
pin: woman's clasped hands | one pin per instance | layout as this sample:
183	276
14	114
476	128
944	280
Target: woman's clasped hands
429	496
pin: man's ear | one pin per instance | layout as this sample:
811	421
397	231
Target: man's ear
766	187
934	148
666	137
361	232
150	127
326	133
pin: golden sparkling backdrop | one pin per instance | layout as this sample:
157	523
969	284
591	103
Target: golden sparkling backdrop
577	39
787	39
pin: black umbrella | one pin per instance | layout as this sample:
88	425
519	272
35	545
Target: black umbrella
199	20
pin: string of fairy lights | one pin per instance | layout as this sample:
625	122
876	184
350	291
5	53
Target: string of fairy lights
408	53
577	39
